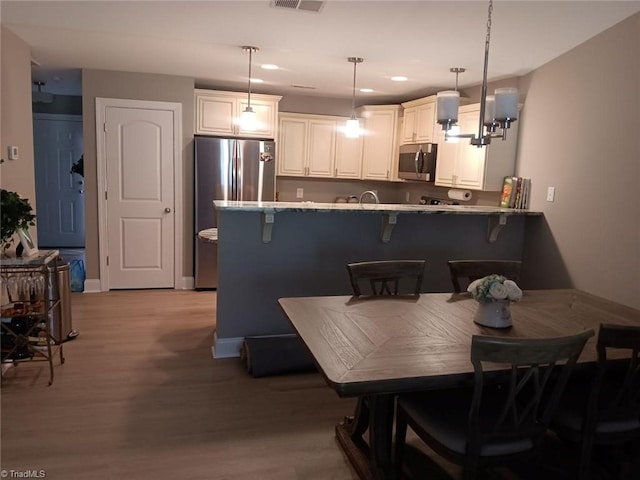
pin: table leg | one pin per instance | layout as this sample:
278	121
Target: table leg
372	460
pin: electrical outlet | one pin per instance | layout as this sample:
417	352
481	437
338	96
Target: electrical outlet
407	197
551	194
14	154
300	193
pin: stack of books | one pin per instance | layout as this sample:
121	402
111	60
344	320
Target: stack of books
515	192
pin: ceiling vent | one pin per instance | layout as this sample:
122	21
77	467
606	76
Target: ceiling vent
306	5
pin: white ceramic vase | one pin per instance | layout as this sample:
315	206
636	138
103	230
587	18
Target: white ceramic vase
494	314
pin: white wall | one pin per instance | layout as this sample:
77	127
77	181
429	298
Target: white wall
580	132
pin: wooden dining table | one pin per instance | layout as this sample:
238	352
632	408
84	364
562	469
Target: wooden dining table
374	348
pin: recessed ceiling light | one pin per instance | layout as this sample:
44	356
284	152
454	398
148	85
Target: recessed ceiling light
256	80
366	90
270	66
399	78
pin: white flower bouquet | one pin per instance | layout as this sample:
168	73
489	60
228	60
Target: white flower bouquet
494	288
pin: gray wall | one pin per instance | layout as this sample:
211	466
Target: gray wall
135	86
590	151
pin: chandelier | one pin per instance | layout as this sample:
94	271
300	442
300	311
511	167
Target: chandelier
497	111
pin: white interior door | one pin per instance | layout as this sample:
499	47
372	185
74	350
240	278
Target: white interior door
57	144
140	209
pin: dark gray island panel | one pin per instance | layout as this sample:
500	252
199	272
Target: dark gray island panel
309	249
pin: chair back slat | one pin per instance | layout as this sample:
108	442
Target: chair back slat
387	277
471	270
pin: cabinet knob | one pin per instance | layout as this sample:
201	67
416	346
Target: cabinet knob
167	210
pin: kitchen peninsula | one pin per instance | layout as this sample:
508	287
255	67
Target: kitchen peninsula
270	250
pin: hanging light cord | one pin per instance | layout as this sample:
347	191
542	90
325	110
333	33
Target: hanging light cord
483	93
249	89
353	96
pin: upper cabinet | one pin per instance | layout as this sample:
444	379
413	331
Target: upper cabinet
217	113
314	146
380	147
463	165
306	145
419	121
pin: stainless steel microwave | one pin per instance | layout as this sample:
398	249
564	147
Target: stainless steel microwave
418	162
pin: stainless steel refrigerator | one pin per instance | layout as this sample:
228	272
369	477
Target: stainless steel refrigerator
226	169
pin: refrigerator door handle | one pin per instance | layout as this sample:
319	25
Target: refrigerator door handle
238	170
232	170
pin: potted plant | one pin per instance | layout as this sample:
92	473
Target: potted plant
16	213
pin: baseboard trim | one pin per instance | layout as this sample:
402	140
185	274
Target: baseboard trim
187	283
92	285
226	347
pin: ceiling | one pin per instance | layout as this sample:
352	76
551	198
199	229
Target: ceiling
202	40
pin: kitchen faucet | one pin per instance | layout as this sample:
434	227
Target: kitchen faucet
370	192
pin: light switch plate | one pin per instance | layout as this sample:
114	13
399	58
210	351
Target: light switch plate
551	194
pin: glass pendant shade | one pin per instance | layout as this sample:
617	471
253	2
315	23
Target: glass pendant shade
490	110
352	128
447	107
506	104
248	120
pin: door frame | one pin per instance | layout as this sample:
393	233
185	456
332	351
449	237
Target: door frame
103	234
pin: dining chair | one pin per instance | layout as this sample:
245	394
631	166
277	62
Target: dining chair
387	277
474	269
504	415
605	410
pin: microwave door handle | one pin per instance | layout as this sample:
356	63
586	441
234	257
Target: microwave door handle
419	160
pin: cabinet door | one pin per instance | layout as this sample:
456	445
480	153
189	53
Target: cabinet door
378	147
348	156
446	161
292	147
425	122
266	113
409	125
321	152
471	159
215	115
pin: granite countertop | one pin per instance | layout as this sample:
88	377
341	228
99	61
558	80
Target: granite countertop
367	208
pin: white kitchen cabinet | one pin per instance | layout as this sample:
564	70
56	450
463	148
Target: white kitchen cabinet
218	113
306	145
419	120
314	146
462	165
348	155
380	146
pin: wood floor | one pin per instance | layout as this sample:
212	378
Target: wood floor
140	397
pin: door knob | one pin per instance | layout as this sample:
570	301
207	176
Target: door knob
167	210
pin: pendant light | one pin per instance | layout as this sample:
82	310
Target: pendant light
248	121
352	128
496	111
